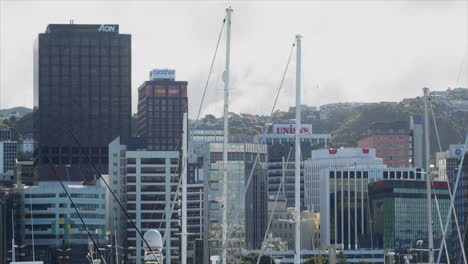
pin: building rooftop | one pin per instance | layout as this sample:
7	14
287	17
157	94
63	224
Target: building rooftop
82	28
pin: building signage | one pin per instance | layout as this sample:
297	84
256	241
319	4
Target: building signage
106	28
162	74
291	128
457	150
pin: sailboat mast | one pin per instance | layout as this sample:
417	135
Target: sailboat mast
297	183
428	180
115	241
13	253
32	224
184	190
226	132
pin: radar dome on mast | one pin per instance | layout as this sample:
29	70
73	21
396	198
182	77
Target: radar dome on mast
154	239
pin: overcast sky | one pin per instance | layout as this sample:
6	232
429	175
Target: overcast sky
353	50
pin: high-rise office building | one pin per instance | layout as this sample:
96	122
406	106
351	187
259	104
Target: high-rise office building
280	141
250	227
162	101
82	87
393	142
146	181
398	210
195	195
322	159
344	214
417	130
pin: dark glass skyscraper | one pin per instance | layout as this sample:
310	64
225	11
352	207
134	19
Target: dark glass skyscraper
162	101
82	84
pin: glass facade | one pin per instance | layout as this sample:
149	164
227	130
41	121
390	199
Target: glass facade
250	228
281	146
399	214
82	86
344	198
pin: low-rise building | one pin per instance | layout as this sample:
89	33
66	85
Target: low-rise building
398	210
58	231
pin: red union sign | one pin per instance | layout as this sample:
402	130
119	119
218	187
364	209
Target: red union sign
332	151
291	128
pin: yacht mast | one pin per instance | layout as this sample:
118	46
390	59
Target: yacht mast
297	202
13	253
184	190
428	180
32	224
226	133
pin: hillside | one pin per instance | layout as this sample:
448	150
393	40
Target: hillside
19	109
346	122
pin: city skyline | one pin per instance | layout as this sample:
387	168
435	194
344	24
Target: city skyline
403	49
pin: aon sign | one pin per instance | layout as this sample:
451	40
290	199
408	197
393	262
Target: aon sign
105	28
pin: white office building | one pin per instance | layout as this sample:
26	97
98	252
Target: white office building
152	182
322	159
147	181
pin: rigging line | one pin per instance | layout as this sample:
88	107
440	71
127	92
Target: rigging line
113	194
444	232
72	203
267	125
460	70
210	71
435	124
448	185
197	118
440	222
195	123
175	197
274	207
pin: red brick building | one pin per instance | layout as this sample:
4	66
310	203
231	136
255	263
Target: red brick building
392	142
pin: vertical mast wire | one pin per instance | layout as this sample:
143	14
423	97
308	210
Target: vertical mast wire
274	207
110	190
267	125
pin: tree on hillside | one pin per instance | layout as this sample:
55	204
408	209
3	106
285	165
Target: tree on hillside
24	125
209	119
